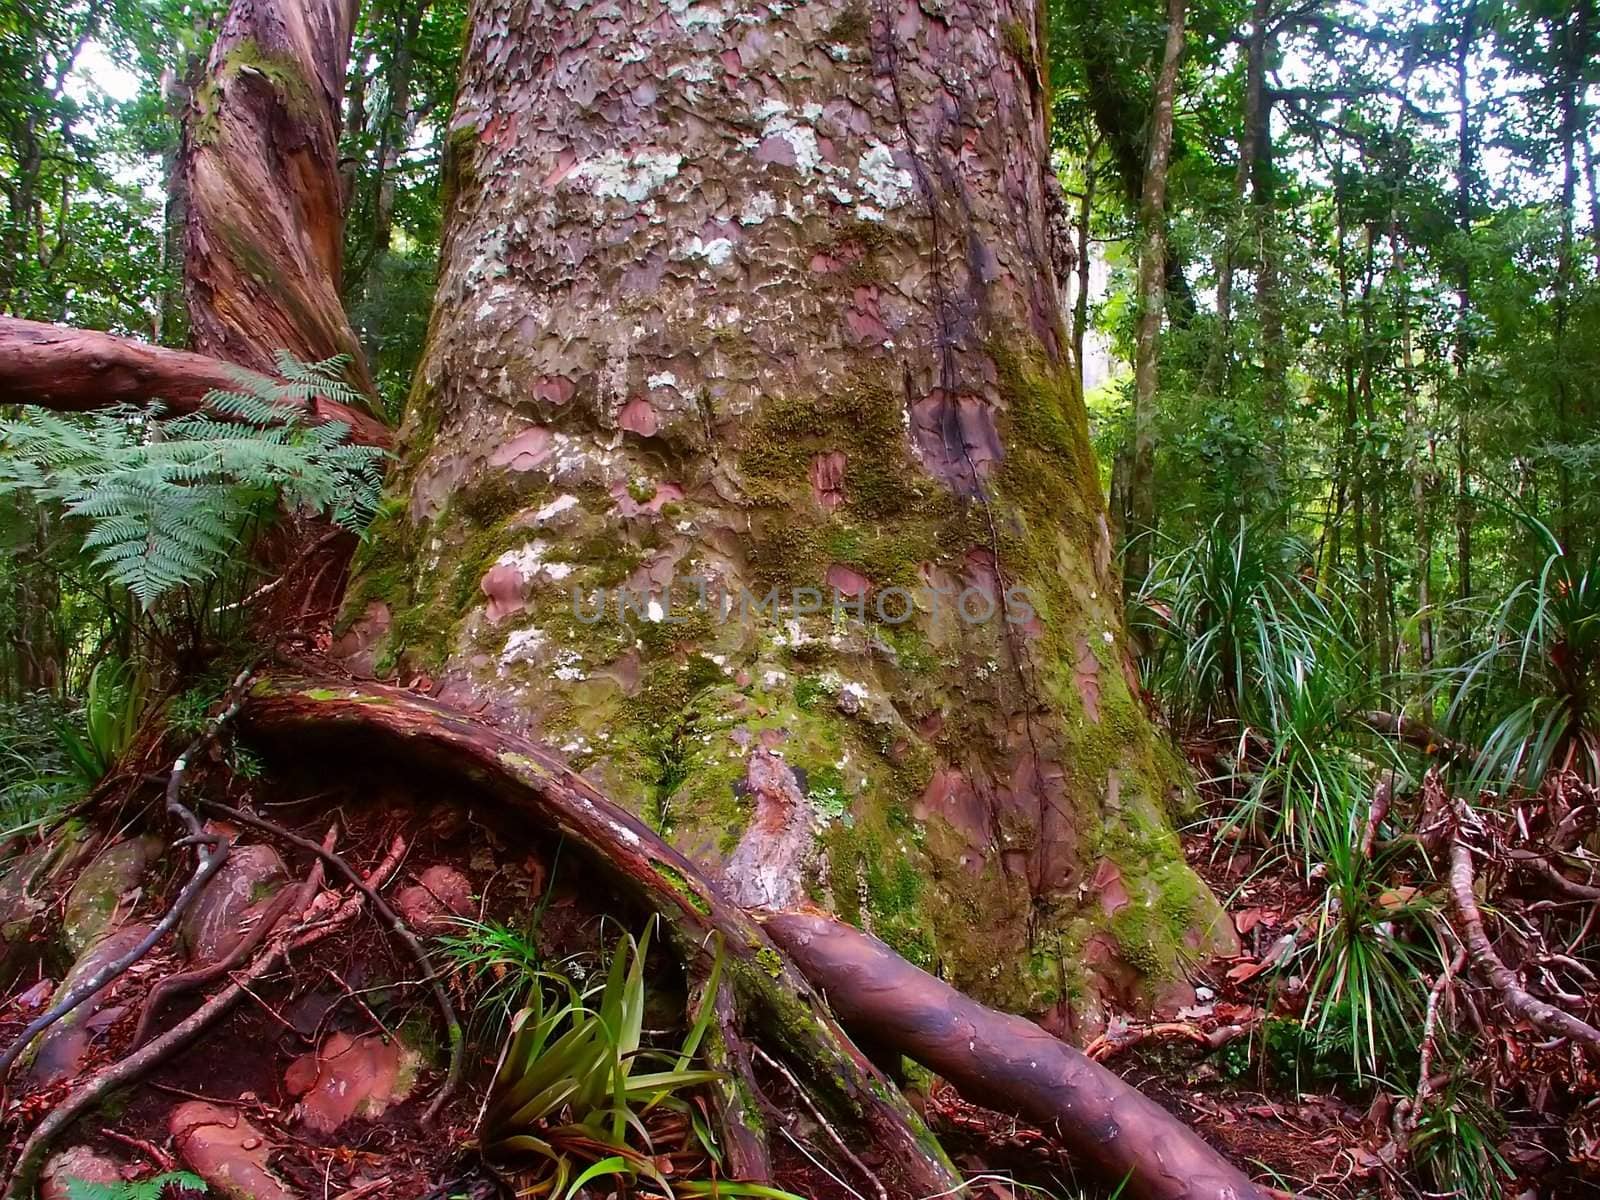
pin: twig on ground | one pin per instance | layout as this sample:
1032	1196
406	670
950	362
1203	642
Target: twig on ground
1430	1038
397	927
150	1150
210	862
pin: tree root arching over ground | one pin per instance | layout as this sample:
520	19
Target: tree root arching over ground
1001	1059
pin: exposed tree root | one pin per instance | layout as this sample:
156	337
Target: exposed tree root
1000	1059
1430	1042
743	1109
447	1011
1009	1063
24	1174
172	986
765	988
1480	949
210	862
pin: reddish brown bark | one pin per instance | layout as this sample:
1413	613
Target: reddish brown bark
526	776
1008	1063
76	370
264	226
768	303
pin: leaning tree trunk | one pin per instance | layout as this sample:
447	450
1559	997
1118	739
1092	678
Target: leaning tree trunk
264	222
742	307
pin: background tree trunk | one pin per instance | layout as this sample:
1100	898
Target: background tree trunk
264	225
1152	297
769	302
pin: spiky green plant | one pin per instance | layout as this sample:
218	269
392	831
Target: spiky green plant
113	708
1527	700
1231	625
570	1095
1373	951
166	500
1453	1145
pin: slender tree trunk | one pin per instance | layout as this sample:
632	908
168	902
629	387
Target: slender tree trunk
1080	302
1152	295
1463	339
1274	363
1573	425
1593	180
806	356
1415	462
1220	366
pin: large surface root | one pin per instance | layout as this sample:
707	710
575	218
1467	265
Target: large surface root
763	988
1007	1062
1004	1060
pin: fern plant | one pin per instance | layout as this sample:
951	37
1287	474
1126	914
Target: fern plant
153	1188
166	501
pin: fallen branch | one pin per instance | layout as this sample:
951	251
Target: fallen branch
1108	1044
397	926
1513	995
1007	1063
1421	736
31	1158
530	779
78	370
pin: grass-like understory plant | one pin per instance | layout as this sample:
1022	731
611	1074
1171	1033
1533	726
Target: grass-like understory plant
579	1096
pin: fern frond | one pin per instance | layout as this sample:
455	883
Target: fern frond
166	501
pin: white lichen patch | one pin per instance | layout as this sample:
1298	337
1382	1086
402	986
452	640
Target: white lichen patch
663	379
802	138
555	508
631	177
883	181
703	16
716	252
758	208
521	644
530	563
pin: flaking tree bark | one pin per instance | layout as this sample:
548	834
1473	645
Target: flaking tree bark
264	218
765	306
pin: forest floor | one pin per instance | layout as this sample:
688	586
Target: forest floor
301	1079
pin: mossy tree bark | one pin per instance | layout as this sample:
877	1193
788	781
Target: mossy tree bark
750	305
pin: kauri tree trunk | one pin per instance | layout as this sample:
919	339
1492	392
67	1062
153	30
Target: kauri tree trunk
748	314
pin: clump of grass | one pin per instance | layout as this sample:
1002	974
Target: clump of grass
578	1096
